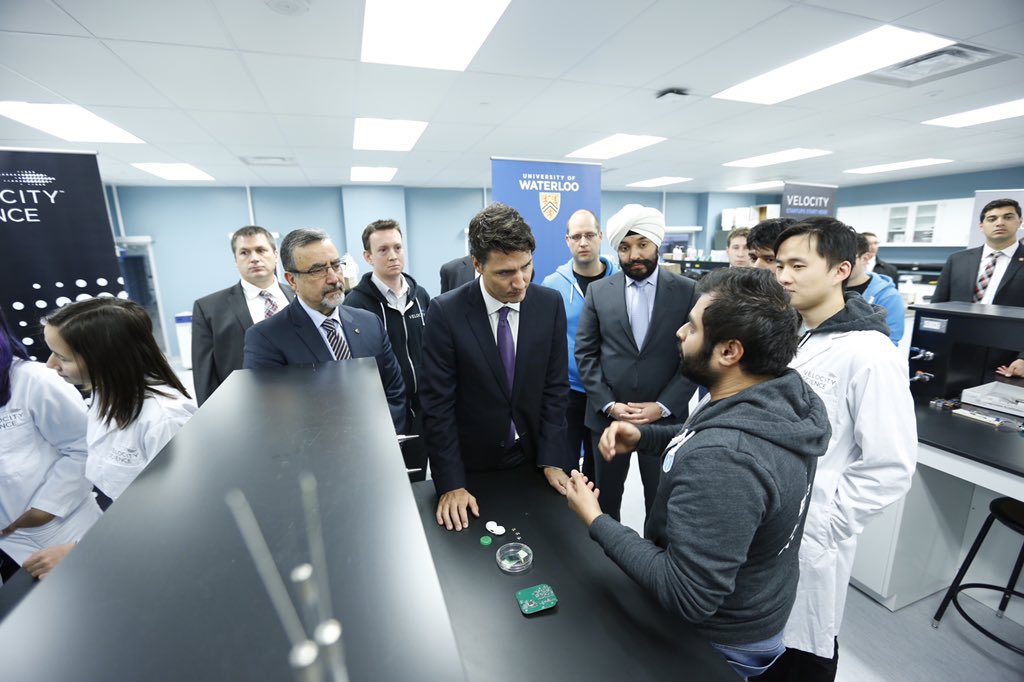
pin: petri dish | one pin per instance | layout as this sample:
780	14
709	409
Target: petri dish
514	557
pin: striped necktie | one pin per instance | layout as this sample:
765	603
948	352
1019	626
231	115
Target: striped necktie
337	341
986	276
269	305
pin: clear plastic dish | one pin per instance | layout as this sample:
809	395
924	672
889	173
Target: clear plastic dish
514	557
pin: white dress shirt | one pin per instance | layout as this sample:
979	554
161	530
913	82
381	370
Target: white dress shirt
494	307
1002	262
398	300
318	320
256	303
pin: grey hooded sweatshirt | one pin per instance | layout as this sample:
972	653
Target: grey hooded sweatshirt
724	531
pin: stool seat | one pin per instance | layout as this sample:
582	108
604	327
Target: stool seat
1009	512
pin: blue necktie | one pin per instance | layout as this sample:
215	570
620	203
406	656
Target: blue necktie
640	313
507	351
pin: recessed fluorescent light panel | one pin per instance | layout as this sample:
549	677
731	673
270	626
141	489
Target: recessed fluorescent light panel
771	184
902	165
67	121
174	171
381	134
996	112
855	57
372	174
440	34
659	182
615	145
795	154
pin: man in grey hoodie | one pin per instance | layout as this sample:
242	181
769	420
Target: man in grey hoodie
725	527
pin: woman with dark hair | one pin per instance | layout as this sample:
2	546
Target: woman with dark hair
138	403
45	499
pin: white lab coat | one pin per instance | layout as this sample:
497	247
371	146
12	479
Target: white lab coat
42	460
862	379
117	456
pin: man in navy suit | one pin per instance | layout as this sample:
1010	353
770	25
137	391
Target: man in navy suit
994	270
495	372
220	319
316	328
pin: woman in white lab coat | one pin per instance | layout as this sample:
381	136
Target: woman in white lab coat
45	499
138	402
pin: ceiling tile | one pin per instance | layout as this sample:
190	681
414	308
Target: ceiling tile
182	22
98	76
304	85
193	77
329	29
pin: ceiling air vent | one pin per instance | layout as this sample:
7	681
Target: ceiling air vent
268	160
949	61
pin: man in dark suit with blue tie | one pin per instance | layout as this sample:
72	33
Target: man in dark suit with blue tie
626	347
495	369
316	328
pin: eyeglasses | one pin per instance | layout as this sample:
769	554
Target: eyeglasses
589	236
321	270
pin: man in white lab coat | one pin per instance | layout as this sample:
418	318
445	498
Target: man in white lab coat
845	355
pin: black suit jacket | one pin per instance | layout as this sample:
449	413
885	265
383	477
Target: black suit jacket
960	274
457	272
290	338
219	322
613	369
466	404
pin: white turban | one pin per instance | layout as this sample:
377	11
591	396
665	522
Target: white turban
643	220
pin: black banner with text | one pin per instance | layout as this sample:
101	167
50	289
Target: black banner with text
804	201
55	238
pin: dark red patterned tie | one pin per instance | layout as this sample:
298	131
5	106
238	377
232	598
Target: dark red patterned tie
269	306
986	276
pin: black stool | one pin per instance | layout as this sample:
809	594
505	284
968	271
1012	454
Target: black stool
1010	513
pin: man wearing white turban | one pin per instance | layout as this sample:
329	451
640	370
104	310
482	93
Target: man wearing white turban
626	347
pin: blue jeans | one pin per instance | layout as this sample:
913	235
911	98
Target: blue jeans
750	660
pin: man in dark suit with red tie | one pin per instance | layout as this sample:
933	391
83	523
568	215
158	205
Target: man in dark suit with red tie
992	273
220	319
495	369
316	328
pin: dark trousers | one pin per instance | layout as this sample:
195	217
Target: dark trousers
414	451
611	479
7	566
802	666
578	434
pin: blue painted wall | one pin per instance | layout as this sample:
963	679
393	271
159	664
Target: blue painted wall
435	234
191	228
283	209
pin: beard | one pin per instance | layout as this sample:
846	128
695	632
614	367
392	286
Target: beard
333	296
639	268
697	368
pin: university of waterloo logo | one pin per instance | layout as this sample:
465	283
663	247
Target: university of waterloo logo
549	204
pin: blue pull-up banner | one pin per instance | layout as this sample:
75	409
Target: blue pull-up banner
546	193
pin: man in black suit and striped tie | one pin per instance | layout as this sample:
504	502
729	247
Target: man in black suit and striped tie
316	328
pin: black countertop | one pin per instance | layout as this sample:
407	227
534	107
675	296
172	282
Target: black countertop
973	440
605	627
162	587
